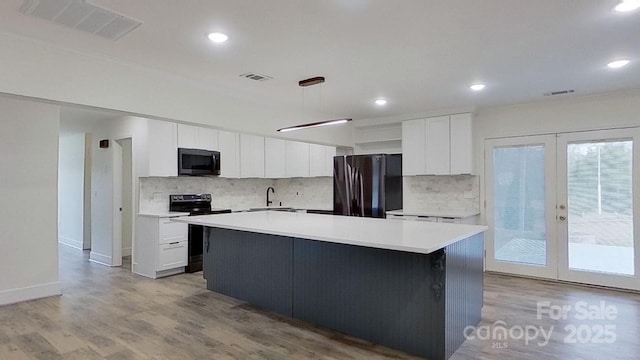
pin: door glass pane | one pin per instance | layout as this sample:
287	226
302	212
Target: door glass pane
600	196
519	204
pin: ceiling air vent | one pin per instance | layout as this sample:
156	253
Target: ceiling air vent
256	76
81	15
561	92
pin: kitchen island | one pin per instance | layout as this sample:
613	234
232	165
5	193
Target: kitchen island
409	285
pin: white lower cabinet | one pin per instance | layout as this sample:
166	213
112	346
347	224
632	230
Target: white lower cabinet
160	247
470	220
413	217
172	255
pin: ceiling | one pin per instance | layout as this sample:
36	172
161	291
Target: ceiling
420	55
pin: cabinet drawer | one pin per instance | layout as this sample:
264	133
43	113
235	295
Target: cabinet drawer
172	231
421	218
449	220
172	255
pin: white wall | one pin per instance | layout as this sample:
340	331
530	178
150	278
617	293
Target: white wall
28	189
71	190
34	69
577	114
88	140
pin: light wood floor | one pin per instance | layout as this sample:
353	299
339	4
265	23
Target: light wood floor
109	313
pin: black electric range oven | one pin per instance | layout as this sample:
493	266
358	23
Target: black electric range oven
194	204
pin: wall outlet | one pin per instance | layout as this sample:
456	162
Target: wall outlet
157	196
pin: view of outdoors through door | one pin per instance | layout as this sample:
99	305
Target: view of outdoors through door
519	198
600	207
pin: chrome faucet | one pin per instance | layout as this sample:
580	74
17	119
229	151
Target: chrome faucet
272	191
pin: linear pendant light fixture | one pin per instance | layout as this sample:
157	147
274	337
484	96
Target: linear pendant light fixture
308	82
315	124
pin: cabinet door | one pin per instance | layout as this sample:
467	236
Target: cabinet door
437	146
171	231
251	156
316	160
207	139
273	158
229	144
461	144
296	159
172	255
329	154
162	147
413	147
187	136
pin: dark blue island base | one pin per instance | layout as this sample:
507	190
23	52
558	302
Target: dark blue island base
418	303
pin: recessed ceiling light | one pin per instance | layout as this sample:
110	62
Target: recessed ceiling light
627	5
477	87
617	64
381	102
217	37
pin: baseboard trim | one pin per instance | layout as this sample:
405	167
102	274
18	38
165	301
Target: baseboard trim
72	243
100	258
30	293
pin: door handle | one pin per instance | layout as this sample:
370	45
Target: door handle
562	218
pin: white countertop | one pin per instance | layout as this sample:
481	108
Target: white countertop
435	213
410	236
276	207
164	214
168	214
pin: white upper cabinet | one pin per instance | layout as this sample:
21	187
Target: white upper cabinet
252	156
329	154
274	158
187	136
321	160
162	148
437	146
196	137
413	147
241	155
207	139
296	155
461	128
229	147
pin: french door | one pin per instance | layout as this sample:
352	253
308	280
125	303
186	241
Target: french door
562	206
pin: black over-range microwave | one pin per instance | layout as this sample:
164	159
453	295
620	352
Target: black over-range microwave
198	162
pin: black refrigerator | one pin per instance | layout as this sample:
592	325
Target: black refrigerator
367	185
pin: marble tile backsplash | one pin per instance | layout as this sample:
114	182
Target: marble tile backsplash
237	194
307	193
459	192
456	192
